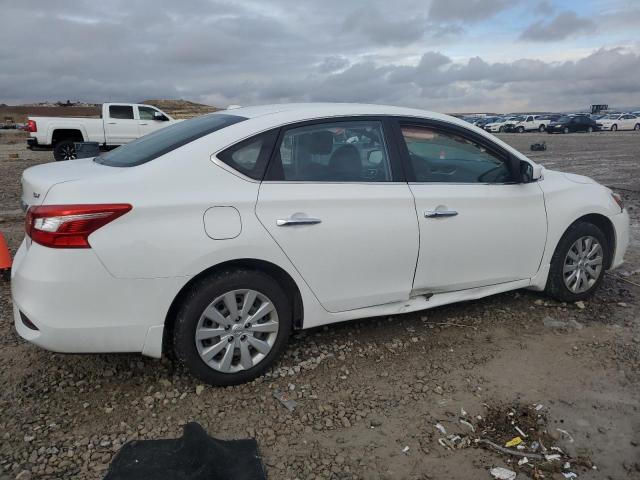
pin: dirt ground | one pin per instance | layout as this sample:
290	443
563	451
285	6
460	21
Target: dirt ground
369	393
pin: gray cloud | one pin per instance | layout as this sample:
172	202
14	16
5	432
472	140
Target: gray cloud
563	25
245	53
467	11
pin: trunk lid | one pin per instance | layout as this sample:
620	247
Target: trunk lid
37	181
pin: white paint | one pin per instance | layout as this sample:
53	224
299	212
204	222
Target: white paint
359	262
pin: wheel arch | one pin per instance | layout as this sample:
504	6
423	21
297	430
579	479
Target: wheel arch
61	134
283	278
604	224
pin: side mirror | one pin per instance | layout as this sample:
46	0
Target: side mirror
375	157
530	173
159	116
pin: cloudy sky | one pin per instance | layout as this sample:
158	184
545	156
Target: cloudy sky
445	55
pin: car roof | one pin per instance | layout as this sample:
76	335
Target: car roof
304	111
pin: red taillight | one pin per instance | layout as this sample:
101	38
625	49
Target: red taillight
69	226
32	126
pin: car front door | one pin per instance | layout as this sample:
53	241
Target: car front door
334	201
477	226
148	121
121	126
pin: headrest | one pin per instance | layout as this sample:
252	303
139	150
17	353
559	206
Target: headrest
318	143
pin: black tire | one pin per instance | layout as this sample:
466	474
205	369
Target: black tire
520	129
589	129
203	292
64	150
565	130
614	127
500	129
541	128
637	127
556	287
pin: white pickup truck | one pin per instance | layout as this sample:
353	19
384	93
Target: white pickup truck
118	124
531	123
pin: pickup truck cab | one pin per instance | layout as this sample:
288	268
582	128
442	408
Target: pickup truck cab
118	124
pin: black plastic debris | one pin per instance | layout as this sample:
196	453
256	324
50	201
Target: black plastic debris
539	147
195	456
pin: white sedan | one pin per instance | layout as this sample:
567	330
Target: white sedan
499	125
619	121
216	237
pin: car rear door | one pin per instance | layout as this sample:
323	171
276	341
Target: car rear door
120	127
335	202
629	121
477	227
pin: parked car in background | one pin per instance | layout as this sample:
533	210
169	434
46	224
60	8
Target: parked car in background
510	125
203	238
619	121
571	124
499	125
533	123
481	122
119	123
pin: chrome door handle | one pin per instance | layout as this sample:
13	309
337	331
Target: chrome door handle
440	213
297	219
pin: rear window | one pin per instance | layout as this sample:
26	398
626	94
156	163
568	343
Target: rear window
162	141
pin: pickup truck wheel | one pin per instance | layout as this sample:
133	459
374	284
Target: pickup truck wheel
232	326
64	150
520	129
541	128
578	263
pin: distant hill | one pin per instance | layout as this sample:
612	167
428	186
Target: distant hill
19	113
181	108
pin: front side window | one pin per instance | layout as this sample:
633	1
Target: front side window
146	113
123	112
438	156
351	151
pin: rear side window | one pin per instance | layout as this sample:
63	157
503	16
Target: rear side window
347	151
162	141
250	156
124	112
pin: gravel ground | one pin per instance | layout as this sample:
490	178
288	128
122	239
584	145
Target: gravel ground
366	390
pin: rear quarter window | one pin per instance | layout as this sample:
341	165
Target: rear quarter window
156	144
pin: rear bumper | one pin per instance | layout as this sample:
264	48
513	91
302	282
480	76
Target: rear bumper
78	307
32	143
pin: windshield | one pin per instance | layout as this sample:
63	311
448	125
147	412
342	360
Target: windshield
563	119
162	141
611	116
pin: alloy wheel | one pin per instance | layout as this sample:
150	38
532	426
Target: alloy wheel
68	152
237	331
583	264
